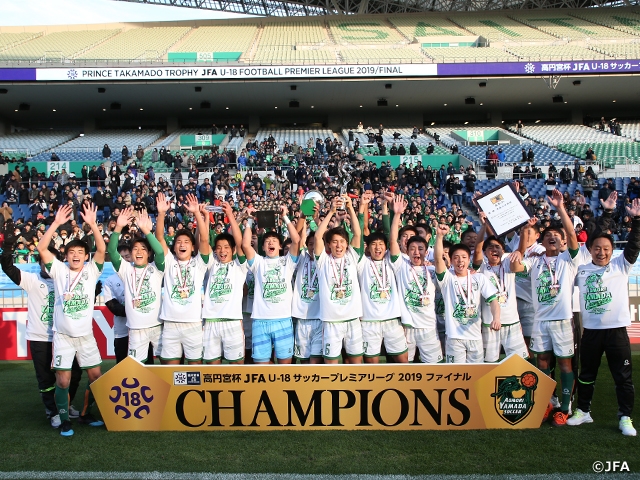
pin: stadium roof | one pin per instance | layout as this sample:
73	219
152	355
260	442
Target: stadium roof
296	8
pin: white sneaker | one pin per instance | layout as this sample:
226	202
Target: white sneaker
55	421
555	401
579	417
627	427
73	413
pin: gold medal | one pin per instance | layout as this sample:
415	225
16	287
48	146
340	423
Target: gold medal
340	294
425	301
136	303
183	294
553	291
384	294
471	312
311	293
502	298
68	296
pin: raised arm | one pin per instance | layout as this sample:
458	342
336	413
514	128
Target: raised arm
89	215
322	228
122	221
163	205
438	249
632	248
355	224
478	253
248	250
399	206
63	215
193	207
6	261
294	249
235	228
557	201
146	226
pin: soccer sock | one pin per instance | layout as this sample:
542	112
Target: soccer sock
546	371
88	399
567	386
62	402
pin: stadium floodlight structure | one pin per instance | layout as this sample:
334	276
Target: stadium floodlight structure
297	8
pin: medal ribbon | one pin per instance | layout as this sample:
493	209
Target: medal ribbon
554	280
311	278
468	297
182	282
500	277
72	285
137	286
380	280
334	266
416	277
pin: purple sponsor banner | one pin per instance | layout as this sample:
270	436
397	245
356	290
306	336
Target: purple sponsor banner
17	74
538	68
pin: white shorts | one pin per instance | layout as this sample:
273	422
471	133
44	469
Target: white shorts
223	337
247	325
66	348
553	336
139	340
391	331
526	313
509	336
308	339
178	337
337	334
464	351
428	344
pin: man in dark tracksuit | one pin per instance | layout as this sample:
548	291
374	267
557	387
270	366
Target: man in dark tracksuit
604	305
40	297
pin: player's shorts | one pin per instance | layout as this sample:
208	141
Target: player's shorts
464	351
525	312
509	336
223	337
272	334
553	336
391	331
308	339
428	343
139	340
179	338
247	324
335	335
66	348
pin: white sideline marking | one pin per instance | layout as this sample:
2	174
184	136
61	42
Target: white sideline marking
29	475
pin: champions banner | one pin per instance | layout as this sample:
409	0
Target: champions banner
15	346
512	394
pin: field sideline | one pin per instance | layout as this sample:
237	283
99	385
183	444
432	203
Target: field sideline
30	447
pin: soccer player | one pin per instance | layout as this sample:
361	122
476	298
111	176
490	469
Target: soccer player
497	269
74	286
184	271
379	292
552	277
340	299
272	329
142	284
417	292
462	292
39	332
604	305
306	307
113	291
222	309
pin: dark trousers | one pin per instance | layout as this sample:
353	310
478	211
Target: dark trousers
614	343
41	354
121	347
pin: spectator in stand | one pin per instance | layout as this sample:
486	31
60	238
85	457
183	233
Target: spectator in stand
524	155
588	185
125	154
565	175
501	156
140	153
530	155
106	152
431	149
520	125
551	184
552	169
589	155
413	149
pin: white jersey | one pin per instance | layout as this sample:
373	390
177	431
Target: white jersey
306	303
439	301
223	292
417	294
181	297
75	298
523	279
552	281
113	289
40	300
501	277
461	309
378	289
340	297
599	307
273	291
142	295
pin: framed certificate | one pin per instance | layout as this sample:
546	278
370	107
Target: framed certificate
504	209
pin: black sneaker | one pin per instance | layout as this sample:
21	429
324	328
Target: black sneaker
65	429
90	420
